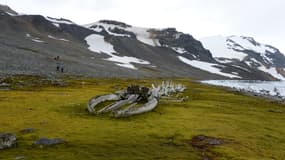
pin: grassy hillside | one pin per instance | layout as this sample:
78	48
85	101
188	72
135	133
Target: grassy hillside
251	127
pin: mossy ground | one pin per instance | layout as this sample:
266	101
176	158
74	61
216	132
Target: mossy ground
250	125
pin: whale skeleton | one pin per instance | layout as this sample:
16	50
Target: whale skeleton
133	101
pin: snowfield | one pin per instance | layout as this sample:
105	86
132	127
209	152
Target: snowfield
98	44
246	43
218	47
60	39
58	21
232	47
209	67
34	39
142	34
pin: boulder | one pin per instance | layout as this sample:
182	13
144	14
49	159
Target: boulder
49	142
27	130
7	140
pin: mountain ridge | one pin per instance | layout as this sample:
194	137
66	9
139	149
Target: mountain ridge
109	48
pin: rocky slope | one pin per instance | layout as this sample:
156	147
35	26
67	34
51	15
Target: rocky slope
33	44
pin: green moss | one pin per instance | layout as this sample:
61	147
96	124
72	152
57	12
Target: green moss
248	123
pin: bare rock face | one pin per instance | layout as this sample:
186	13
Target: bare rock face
7	140
6	8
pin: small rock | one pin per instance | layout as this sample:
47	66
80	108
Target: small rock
27	130
49	142
275	111
204	142
4	84
7	140
19	157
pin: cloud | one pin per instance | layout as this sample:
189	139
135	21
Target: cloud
261	19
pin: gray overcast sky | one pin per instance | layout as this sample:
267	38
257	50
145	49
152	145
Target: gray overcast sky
262	19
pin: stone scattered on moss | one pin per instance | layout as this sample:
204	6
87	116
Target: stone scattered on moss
7	140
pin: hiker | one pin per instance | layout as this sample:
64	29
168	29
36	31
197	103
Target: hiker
57	67
62	68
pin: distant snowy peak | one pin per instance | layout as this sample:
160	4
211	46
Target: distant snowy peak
239	48
248	43
220	48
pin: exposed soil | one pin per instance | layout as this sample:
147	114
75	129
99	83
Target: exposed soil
203	144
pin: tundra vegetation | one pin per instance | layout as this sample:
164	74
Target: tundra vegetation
212	123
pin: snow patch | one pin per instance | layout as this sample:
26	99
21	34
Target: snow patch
98	44
97	29
142	34
224	60
11	14
210	67
56	24
37	40
34	39
272	71
179	50
60	39
108	28
28	35
126	65
242	68
60	21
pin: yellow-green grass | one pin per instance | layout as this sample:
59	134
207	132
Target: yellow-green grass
253	127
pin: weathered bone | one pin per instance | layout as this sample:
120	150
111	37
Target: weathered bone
131	99
131	96
99	99
132	110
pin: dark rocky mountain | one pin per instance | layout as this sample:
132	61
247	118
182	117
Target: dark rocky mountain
37	45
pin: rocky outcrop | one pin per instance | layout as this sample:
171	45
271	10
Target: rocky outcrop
171	38
7	9
117	23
